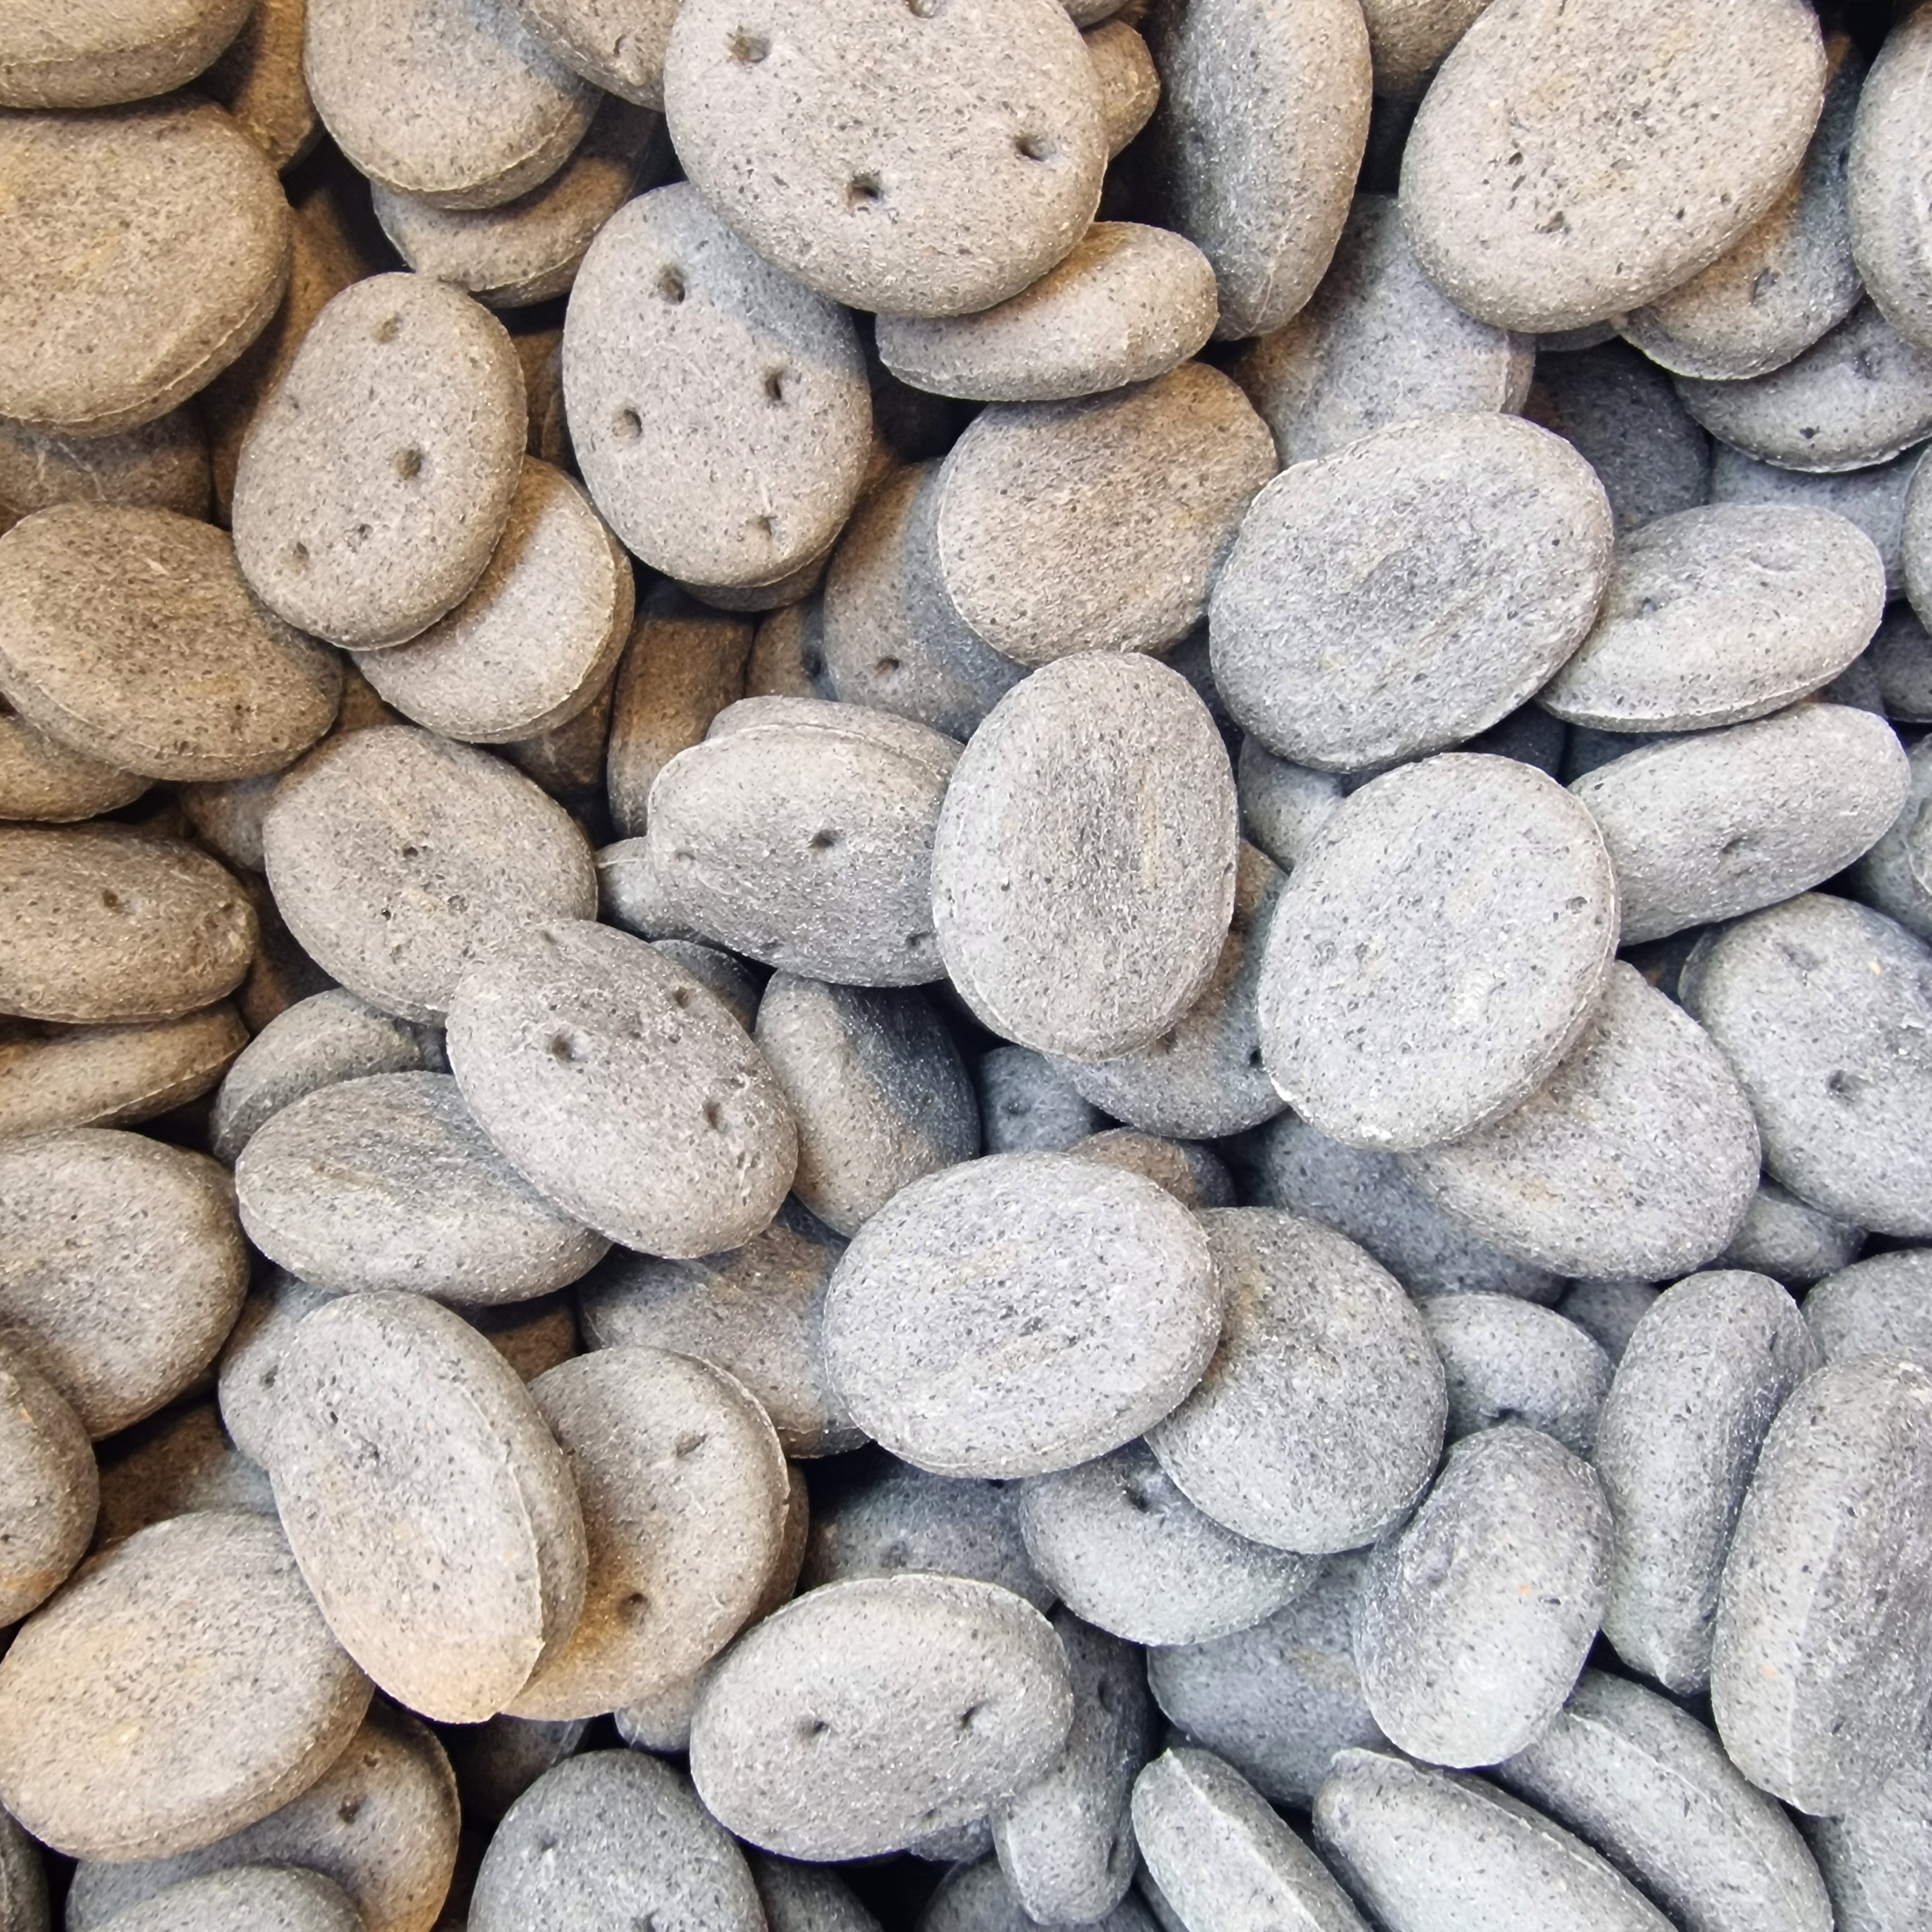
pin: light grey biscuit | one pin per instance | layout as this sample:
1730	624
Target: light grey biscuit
1027	1106
1192	1173
1874	499
1129	92
258	77
1367	1197
1672	139
49	1488
1437	953
381	1822
122	1267
1882	1306
1360	620
431	1510
42	779
1084	868
719	412
100	54
1887	168
1377	343
1877	1858
129	635
398	859
1793	1243
379	472
1638	1158
807	1898
914	164
1278	1699
1608	1311
228	1696
250	1372
1807	1002
978	1898
1505	1360
1653	1789
1428	1852
1130	1554
1223	1858
1719	614
1253	150
1899	655
114	1076
244	1898
837	1728
1476	1617
1129	304
737	986
528	249
618	45
1319	1422
1820	1665
1407	39
933	1313
191	256
497	1761
1098	524
1703	1376
1283	805
877	1086
163	465
175	1462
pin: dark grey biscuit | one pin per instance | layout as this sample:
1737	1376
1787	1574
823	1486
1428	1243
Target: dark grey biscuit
1283	805
1877	1858
175	1461
1882	1306
114	1076
1888	166
258	77
23	1883
1098	524
497	1761
49	1488
380	472
1254	148
612	1838
1437	953
1637	1159
1608	1311
618	44
1192	1174
244	1898
1377	343
1723	614
1540	210
915	164
1703	1376
1334	655
228	1696
431	1510
787	657
102	923
978	1898
806	1898
1407	39
1652	1788
932	1317
1130	1554
41	778
1027	1105
1278	1699
1320	1418
719	412
1807	1003
1083	871
1899	655
1507	1361
1874	499
1475	1619
1821	1661
104	339
1793	1243
866	1714
1915	546
101	52
164	465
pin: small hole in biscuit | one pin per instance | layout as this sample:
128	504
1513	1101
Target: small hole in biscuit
922	10
689	1445
812	1728
111	900
567	1047
824	841
635	1604
714	1114
408	465
1034	147
775	382
886	666
748	49
671	285
680	996
349	1809
766	526
388	328
864	191
627	425
298	556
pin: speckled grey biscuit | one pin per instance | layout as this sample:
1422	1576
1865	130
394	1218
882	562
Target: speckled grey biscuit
1820	1667
866	1714
1874	499
378	473
1193	1174
1027	1106
1882	1306
129	634
1428	1852
1367	1197
1652	1788
978	1898
1376	344
114	1076
192	253
175	1462
719	412
1807	1002
109	924
915	164
1507	1361
1319	1419
1704	1374
431	1510
122	1267
738	987
388	1183
1638	1158
99	53
398	859
1126	305
1765	301
889	635
49	1488
1434	957
1203	1076
1792	1243
787	657
1223	1859
1877	1858
41	778
381	1823
227	1697
244	1898
1723	614
161	466
1900	657
1129	92
1407	38
1083	871
1608	1311
1283	805
800	833
1885	177
617	44
1253	150
806	1898
1408	591
1543	209
1097	524
497	1761
877	1086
